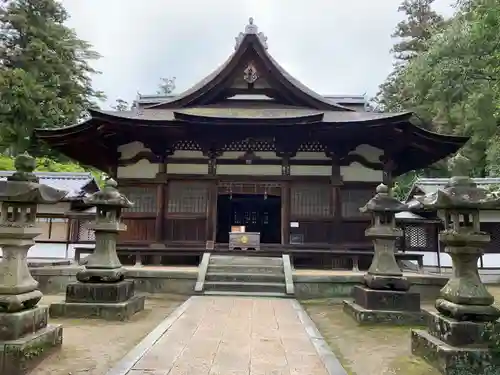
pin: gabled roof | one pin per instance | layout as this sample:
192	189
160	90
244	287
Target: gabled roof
78	184
251	52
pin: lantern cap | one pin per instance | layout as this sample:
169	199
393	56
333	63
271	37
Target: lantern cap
109	196
459	193
383	201
23	185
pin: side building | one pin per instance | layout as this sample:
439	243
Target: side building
60	223
250	146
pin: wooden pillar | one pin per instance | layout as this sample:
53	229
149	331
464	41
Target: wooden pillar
336	201
212	199
160	206
285	199
211	214
389	167
285	212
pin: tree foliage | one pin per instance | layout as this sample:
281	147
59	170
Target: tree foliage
121	105
45	75
453	84
166	86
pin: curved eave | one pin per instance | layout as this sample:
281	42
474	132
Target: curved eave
217	77
78	142
426	148
298	120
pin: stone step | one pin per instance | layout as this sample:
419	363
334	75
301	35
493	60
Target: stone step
243	260
244	277
234	286
247	294
242	268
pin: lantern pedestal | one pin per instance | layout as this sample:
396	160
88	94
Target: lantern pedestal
455	347
110	301
26	338
101	290
385	297
372	306
462	337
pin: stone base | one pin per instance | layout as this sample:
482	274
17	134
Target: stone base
458	333
16	325
394	317
18	357
109	311
451	360
100	292
387	300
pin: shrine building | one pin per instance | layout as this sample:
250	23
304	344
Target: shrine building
249	146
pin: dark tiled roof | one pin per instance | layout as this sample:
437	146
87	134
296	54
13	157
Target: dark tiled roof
78	184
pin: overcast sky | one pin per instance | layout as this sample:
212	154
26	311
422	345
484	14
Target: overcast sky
333	46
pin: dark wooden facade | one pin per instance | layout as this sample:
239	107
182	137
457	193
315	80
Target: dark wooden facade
249	129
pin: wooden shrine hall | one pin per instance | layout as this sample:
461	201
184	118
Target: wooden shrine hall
249	148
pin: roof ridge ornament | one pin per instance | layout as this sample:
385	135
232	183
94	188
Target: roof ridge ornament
251	28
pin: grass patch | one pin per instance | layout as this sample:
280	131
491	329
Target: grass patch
374	349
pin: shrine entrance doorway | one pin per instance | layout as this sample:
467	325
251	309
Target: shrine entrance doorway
255	212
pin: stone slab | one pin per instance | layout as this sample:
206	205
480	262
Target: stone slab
234	335
100	292
18	357
393	300
457	333
393	317
18	324
450	360
108	311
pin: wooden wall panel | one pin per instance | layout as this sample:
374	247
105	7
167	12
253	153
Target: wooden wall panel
185	229
314	231
352	232
138	229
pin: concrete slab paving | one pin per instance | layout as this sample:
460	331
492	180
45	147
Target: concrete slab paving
213	335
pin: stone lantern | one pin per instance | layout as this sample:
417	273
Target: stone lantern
101	290
458	335
384	297
23	324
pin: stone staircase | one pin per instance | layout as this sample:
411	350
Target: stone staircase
245	275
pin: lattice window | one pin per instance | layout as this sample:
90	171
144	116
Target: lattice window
249	188
188	198
415	237
144	198
314	146
310	200
84	233
353	199
253	144
187	145
493	229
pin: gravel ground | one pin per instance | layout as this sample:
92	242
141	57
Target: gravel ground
91	346
370	350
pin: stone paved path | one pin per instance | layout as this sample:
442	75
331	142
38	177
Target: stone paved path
233	336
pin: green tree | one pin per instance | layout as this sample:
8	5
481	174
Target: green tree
415	31
45	75
121	105
455	83
166	86
412	35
